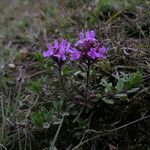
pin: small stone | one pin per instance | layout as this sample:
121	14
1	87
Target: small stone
46	125
12	66
23	54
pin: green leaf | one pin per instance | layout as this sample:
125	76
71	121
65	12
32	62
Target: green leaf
132	90
36	118
108	86
42	116
137	79
50	114
108	101
39	57
123	95
66	70
120	85
134	80
105	65
148	65
34	86
57	105
80	74
76	73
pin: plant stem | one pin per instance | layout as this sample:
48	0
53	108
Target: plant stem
60	76
87	82
56	135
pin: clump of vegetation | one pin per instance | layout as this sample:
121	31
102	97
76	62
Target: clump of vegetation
85	94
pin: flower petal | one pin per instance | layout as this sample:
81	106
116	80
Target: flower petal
56	44
92	34
81	35
68	47
92	53
75	54
47	53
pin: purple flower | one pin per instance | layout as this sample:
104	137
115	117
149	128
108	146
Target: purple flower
74	54
93	53
56	44
97	52
102	50
49	52
58	51
90	35
90	47
62	50
86	38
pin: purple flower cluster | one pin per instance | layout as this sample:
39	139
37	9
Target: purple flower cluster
86	39
61	51
86	47
90	47
58	50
